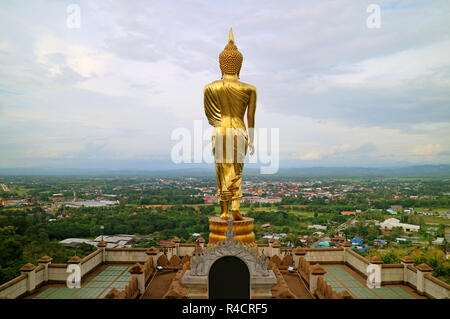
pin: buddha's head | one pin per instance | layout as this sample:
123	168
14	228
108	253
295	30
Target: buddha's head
230	59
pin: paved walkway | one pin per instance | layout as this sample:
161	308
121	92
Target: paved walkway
159	285
96	287
296	286
341	277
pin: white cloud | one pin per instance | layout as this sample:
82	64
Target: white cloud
311	156
395	69
430	149
116	88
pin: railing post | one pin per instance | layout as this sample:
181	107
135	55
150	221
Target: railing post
276	248
405	262
45	261
376	264
346	245
316	272
171	250
201	242
176	241
422	269
30	271
138	272
153	252
102	245
298	252
75	260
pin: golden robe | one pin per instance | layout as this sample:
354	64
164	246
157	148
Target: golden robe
225	103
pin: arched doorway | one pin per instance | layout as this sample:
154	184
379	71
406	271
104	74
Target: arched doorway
229	278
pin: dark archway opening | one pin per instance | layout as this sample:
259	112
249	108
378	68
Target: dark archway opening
229	278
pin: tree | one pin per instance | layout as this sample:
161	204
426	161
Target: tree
397	231
83	249
10	252
372	233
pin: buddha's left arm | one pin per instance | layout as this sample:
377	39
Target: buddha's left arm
251	114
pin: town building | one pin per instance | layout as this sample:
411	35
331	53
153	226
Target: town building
262	200
88	203
348	213
113	241
390	223
319	227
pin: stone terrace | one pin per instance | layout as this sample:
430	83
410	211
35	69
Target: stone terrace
118	273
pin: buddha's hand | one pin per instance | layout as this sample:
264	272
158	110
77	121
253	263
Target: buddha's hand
251	146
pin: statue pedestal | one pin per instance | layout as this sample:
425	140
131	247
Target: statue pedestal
209	275
243	229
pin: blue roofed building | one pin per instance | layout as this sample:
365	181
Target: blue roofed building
357	241
391	211
377	241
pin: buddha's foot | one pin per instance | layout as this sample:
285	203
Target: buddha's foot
236	215
225	216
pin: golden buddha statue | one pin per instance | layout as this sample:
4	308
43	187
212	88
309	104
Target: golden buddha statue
225	103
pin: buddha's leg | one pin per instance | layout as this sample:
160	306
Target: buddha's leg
235	205
240	150
224	209
237	192
222	191
221	174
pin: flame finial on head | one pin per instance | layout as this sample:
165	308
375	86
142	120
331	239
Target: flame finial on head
230	59
230	35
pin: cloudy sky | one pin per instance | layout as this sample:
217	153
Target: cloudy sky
110	93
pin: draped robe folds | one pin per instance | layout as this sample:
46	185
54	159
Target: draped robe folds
225	103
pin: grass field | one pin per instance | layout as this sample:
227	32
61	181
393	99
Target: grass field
442	209
245	210
438	220
21	191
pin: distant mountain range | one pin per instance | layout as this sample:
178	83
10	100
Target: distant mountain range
442	170
412	171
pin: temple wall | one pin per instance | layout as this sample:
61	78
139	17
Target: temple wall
392	274
325	255
57	273
91	261
356	261
40	276
185	250
412	277
14	288
436	288
126	255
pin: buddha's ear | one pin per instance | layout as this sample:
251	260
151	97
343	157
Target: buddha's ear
222	74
